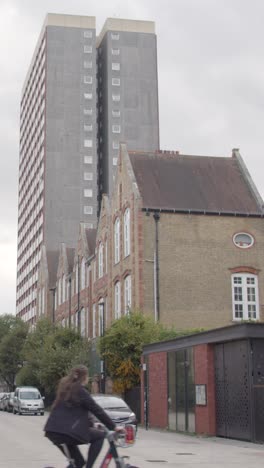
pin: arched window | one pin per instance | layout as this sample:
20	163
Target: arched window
127	232
117	240
127	294
83	268
117	300
101	317
245	296
101	260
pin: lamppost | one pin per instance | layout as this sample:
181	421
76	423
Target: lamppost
102	330
53	304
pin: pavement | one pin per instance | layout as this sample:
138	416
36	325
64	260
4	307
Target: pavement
22	445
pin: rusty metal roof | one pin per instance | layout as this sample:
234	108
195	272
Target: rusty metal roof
200	183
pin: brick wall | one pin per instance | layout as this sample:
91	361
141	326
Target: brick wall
158	390
205	422
197	255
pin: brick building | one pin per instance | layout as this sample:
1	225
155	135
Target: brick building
209	383
180	239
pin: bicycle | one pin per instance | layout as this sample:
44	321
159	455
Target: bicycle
123	439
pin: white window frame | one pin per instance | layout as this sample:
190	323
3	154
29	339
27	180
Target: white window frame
88	111
117	290
88	127
101	260
117	240
88	160
87	48
115	159
88	34
88	209
101	317
115	81
115	51
88	79
115	36
127	293
116	97
87	64
116	113
88	176
88	193
115	144
116	66
88	143
127	232
116	128
88	96
241	296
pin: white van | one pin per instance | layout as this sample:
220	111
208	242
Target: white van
28	400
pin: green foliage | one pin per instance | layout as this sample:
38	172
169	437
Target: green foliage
121	346
49	352
13	333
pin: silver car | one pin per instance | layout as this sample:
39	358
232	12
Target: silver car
28	400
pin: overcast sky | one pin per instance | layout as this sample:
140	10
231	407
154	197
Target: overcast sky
211	86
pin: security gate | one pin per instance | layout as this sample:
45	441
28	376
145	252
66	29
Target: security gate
258	388
233	390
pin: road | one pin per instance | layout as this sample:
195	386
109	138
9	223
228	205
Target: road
22	445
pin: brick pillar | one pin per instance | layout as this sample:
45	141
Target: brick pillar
158	390
205	418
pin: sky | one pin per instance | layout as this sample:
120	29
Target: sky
211	86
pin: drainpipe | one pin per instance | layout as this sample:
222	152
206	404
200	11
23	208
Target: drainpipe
156	217
70	293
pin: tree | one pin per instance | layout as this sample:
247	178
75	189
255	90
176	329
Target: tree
50	351
121	347
13	333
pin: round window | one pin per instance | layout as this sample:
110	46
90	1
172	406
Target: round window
243	240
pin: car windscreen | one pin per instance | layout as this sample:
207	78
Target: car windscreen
111	403
27	395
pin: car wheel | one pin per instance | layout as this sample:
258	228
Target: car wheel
42	413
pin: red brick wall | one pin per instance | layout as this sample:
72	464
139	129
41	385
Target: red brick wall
204	374
158	390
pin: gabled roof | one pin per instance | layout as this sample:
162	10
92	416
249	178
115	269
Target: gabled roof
169	180
52	261
70	257
91	240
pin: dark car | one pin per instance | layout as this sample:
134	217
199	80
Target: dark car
116	408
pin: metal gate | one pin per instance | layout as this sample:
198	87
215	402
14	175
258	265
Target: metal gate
232	390
258	388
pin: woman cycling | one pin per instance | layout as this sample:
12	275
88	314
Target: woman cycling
72	417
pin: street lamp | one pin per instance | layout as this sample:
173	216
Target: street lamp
101	332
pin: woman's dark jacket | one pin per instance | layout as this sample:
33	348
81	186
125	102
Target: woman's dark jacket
76	418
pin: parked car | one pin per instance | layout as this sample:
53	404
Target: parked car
9	402
28	400
3	402
116	408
